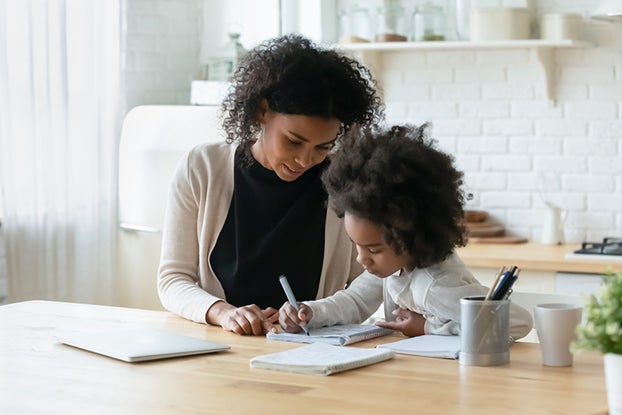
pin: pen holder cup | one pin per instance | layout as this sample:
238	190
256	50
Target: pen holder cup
484	331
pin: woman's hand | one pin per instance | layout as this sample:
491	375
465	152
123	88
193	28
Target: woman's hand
292	321
408	322
249	319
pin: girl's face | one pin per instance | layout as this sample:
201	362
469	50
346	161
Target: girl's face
374	254
292	144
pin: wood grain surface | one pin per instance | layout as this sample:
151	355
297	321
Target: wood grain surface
498	240
41	376
533	256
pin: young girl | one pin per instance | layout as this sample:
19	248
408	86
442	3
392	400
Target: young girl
242	212
403	208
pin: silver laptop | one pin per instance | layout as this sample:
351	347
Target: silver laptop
139	344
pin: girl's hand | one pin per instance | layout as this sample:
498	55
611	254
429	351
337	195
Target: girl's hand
249	319
292	321
408	322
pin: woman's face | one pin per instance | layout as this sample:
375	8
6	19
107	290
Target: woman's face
374	254
292	144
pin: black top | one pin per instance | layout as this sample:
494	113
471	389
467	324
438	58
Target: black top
273	228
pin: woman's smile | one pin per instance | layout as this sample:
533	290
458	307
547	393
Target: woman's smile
293	172
291	144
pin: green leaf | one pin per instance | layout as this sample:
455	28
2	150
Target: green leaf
603	328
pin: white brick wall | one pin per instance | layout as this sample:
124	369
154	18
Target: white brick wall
488	109
162	41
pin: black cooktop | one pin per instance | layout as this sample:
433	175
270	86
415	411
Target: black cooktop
609	246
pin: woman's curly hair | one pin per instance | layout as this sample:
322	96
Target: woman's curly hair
296	76
395	178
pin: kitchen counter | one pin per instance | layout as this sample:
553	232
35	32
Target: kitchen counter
532	256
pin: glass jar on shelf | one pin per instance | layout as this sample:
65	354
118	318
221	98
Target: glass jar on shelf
223	62
391	23
355	25
428	23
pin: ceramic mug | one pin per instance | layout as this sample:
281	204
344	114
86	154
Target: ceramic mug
556	325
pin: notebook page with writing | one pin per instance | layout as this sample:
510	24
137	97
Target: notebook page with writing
339	335
429	345
320	359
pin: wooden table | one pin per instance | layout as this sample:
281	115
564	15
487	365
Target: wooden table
40	375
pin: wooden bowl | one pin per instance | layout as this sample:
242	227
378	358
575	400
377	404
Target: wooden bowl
475	216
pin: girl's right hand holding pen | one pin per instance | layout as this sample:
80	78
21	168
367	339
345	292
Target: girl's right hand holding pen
292	321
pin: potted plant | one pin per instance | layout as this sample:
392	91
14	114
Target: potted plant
603	332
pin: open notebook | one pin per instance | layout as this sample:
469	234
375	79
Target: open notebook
139	344
320	359
429	345
339	335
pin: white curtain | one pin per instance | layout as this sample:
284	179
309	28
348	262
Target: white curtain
59	127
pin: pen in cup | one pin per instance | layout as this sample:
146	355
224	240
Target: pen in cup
505	283
495	282
510	289
290	297
500	290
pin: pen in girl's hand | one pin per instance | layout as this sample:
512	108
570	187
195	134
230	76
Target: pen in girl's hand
290	297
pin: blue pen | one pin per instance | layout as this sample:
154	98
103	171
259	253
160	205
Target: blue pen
512	281
290	297
500	288
506	282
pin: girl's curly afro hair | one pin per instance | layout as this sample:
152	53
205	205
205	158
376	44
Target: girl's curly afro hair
295	76
397	179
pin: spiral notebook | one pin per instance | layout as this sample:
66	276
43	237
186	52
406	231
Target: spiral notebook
320	359
338	335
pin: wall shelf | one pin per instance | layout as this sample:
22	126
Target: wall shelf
371	53
498	44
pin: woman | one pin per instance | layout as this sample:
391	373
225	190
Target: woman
242	212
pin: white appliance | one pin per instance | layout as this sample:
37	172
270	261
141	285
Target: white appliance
153	139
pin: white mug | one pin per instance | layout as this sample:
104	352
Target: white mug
556	324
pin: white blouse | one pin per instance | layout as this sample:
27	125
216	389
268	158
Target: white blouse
434	292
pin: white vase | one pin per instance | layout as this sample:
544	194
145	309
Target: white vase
463	17
613	381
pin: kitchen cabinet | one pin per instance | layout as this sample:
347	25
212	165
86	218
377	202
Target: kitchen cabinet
543	51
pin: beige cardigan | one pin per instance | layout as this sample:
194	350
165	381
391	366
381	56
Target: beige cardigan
197	206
